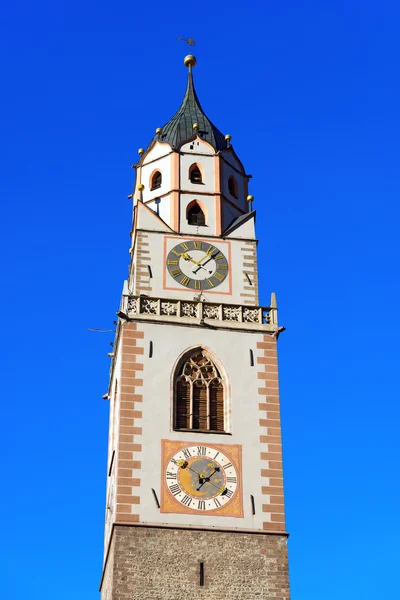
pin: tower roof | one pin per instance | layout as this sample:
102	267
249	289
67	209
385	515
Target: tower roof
180	127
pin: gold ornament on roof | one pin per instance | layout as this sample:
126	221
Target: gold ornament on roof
189	60
140	187
140	151
250	198
228	137
158	131
196	126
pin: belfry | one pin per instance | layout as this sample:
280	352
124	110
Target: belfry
195	501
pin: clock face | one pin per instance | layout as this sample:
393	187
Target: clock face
201	478
197	265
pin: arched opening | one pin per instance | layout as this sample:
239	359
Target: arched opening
195	214
195	175
199	395
233	186
156	180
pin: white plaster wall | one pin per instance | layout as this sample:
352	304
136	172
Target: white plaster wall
164	165
172	289
164	208
232	349
232	160
159	149
197	146
229	213
207	167
226	172
112	431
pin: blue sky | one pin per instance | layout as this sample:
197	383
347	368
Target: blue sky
310	94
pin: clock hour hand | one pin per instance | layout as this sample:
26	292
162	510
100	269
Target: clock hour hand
207	479
201	266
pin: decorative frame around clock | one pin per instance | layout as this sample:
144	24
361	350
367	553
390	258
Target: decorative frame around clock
224	246
169	504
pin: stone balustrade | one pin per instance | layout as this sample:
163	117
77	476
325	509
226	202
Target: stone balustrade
221	313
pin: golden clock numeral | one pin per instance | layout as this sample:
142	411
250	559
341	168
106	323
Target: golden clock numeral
172	262
219	276
210	283
175	252
197	285
176	272
211	249
219	256
197	245
185	281
223	267
185	246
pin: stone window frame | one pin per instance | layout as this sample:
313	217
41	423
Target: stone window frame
220	374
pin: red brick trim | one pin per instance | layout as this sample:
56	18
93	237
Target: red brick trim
270	435
129	427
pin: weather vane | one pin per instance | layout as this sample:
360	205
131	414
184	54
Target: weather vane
189	41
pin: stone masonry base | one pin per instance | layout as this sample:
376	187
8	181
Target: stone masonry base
155	563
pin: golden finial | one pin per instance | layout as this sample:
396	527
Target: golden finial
140	187
189	60
140	151
250	200
228	137
196	126
158	131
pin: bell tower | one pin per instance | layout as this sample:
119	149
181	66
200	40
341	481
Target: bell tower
195	504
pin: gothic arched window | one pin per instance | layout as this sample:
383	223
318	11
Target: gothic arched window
195	175
195	215
156	180
232	187
199	395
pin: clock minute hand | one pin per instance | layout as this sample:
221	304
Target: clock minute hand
207	479
201	266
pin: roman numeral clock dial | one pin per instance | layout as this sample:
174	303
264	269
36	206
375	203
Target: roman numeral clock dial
202	479
197	265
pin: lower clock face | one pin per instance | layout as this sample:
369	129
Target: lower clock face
201	478
198	265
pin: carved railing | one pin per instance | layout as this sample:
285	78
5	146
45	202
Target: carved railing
192	309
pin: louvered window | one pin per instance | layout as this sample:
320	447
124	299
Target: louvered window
156	180
195	174
233	187
199	395
182	405
195	215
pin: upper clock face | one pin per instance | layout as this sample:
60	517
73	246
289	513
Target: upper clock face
201	478
197	265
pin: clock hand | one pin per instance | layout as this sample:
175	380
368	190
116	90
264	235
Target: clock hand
208	478
201	266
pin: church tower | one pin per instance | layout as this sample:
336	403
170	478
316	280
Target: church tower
195	505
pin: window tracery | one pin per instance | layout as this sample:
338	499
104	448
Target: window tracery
199	395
